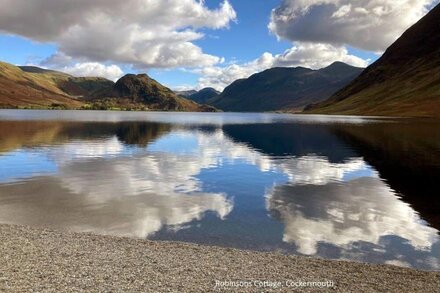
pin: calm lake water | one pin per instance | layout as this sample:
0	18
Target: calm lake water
364	189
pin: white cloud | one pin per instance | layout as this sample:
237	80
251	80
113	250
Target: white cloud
183	87
319	171
112	72
367	24
144	33
220	77
67	64
317	55
309	55
364	209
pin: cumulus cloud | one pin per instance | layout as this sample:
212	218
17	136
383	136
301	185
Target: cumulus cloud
220	77
112	72
316	56
144	33
67	64
366	24
183	87
309	55
363	209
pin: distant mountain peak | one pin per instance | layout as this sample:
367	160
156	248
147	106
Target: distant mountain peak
204	95
209	89
35	69
339	64
134	76
141	89
339	68
284	88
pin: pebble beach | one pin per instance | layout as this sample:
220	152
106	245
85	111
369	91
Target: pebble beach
42	260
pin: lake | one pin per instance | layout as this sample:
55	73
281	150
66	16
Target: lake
352	188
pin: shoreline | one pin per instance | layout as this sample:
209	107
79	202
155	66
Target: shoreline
37	259
378	116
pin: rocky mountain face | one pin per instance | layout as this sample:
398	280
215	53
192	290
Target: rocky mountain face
284	89
405	81
141	90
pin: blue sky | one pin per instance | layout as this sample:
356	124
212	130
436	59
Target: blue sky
224	43
243	41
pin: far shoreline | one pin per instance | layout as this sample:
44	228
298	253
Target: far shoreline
379	116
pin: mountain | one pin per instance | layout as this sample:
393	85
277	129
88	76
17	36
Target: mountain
204	95
284	89
185	93
141	91
405	81
34	87
83	87
29	88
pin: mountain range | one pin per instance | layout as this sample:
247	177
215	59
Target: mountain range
34	87
284	89
405	81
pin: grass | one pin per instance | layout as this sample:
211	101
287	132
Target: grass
414	92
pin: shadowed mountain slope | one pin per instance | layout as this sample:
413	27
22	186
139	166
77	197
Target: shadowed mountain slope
284	89
204	95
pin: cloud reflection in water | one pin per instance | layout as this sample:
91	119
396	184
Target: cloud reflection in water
112	185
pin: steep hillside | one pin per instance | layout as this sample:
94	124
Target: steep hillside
284	89
20	88
204	95
83	87
405	81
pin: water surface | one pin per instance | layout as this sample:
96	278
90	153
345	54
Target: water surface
363	189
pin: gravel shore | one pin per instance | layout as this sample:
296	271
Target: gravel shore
41	260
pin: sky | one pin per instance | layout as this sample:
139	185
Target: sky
192	44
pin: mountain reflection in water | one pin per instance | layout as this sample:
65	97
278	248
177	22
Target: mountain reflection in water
315	187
